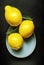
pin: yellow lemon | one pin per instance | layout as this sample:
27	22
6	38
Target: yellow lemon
13	15
15	41
26	28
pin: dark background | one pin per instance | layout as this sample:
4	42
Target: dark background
34	9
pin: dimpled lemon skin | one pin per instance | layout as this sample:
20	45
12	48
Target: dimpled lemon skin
26	28
13	15
15	41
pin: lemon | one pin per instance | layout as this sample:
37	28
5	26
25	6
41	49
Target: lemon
15	41
26	28
13	15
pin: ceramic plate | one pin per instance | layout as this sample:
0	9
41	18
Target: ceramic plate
26	50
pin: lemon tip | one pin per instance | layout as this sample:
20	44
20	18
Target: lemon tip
7	6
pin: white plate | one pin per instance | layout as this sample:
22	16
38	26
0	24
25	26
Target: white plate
27	49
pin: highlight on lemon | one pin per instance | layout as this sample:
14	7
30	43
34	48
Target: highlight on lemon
13	15
15	41
26	28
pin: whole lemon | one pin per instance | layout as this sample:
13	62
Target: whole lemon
26	28
15	41
13	15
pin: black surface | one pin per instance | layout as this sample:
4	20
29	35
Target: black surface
34	9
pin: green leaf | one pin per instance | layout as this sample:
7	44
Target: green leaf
11	30
27	17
